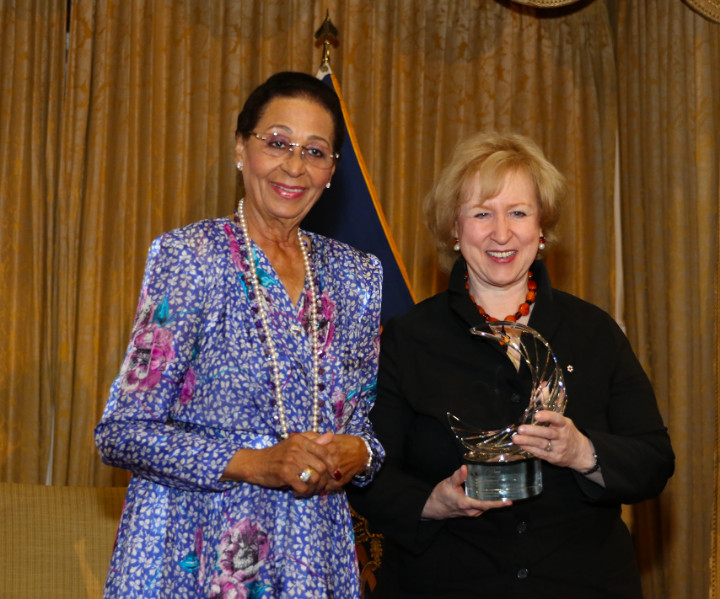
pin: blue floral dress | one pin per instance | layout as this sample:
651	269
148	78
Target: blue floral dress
195	387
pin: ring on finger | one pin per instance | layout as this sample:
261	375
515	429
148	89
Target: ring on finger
305	475
549	446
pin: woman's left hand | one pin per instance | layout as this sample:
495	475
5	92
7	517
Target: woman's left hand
559	442
349	455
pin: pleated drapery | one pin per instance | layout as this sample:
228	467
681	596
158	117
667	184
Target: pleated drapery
32	42
123	128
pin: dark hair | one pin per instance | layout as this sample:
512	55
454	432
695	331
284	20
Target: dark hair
290	84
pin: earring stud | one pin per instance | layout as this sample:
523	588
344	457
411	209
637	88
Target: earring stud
240	166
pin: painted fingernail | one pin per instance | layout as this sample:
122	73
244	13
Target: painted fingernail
337	475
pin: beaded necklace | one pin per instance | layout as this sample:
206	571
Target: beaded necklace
271	350
523	309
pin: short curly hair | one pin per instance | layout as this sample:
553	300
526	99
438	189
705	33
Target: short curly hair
491	156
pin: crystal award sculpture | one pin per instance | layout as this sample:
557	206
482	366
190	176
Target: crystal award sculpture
497	468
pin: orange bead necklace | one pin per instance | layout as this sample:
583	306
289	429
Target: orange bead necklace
523	309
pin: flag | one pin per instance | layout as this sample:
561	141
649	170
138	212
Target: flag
350	212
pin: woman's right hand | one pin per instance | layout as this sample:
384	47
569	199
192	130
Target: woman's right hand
282	464
448	500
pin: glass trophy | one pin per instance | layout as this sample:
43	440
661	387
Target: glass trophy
497	468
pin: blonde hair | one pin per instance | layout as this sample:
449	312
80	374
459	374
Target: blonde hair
490	156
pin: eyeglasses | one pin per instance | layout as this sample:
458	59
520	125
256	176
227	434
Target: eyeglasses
278	145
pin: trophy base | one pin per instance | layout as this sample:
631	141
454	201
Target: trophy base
493	481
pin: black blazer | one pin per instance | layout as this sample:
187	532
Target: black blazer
570	540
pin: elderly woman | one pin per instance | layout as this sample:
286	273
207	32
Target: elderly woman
241	406
493	211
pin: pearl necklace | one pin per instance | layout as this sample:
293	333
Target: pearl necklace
271	350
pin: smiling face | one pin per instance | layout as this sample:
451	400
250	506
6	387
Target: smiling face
499	236
280	190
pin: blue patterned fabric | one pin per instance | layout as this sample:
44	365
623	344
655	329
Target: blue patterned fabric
195	386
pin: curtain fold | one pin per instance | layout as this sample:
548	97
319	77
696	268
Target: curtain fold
153	90
142	153
32	43
670	133
715	527
442	71
131	132
151	96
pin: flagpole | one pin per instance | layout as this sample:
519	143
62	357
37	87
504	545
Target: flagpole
350	210
328	32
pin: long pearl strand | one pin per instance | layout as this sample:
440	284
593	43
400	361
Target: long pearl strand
271	350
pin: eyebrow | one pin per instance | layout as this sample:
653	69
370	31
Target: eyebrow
478	203
289	131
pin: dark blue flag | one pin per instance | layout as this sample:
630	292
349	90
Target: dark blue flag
349	211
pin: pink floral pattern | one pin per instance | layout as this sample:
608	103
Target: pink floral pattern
326	319
150	351
234	249
243	550
188	387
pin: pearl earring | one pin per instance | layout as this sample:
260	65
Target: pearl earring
327	185
239	166
541	247
456	247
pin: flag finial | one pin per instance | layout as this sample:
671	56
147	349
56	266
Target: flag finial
328	32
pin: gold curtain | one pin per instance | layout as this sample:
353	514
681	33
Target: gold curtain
669	99
32	46
136	137
435	72
153	91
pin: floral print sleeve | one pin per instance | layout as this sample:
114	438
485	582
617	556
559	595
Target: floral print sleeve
157	374
352	402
